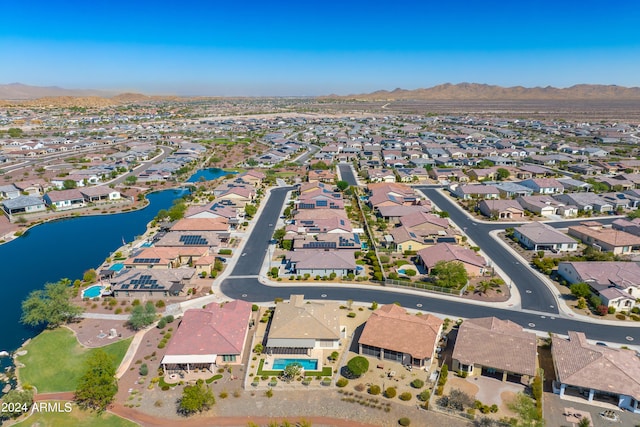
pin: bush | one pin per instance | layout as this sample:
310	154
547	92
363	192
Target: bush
351	315
603	310
424	396
440	390
374	389
144	369
405	396
255	307
611	310
417	383
161	324
160	304
390	392
357	366
225	252
404	421
359	387
169	318
342	382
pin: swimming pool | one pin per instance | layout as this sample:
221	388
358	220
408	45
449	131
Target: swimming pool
307	364
117	267
92	291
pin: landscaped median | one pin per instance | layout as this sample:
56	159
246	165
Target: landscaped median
55	361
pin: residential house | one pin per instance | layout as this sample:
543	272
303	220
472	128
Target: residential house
23	205
166	257
151	283
320	263
201	224
606	239
392	334
511	189
543	185
321	176
393	213
585	202
537	236
305	328
475	350
381	175
9	191
594	371
99	194
474	191
65	199
571	184
501	209
208	337
542	205
473	263
616	282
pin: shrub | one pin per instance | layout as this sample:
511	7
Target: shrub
405	396
161	324
255	307
169	318
342	382
493	409
390	392
225	252
440	390
417	383
620	316
374	389
351	315
603	310
358	365
611	310
359	387
144	369
424	396
160	304
404	421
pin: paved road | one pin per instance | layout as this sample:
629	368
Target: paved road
142	166
346	172
250	289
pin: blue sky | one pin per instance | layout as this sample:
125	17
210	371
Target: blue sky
317	47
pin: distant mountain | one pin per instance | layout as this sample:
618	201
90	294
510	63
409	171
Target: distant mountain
19	91
483	92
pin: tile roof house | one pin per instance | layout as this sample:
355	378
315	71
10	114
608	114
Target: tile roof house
606	239
616	282
23	205
473	263
201	224
9	191
595	371
65	199
474	191
165	257
321	263
99	193
585	201
207	337
495	347
393	334
542	205
543	185
151	282
537	236
300	327
501	209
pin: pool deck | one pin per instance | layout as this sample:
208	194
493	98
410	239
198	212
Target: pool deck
316	354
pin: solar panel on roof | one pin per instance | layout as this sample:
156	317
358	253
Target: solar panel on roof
197	240
146	260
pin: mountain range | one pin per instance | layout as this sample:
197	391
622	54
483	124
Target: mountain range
455	92
484	92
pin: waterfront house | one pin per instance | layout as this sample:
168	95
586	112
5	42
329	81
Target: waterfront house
151	282
392	334
65	199
99	194
23	205
208	337
495	348
605	374
166	257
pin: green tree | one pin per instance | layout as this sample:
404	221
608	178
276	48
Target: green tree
142	316
68	184
291	371
90	276
580	290
16	403
279	234
196	398
502	174
51	306
130	180
449	274
177	210
358	365
319	166
98	385
342	185
250	210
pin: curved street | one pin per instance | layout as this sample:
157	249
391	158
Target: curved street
538	311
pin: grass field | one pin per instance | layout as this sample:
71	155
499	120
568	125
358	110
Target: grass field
76	418
55	361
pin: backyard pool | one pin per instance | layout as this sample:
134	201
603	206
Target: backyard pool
307	364
117	267
92	291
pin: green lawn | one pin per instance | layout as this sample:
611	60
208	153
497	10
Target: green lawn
55	361
76	418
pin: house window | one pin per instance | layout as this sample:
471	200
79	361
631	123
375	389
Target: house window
229	358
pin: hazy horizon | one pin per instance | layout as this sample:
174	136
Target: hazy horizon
264	49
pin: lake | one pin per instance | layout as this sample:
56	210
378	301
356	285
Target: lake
63	248
208	174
